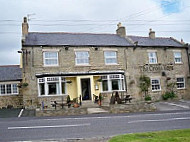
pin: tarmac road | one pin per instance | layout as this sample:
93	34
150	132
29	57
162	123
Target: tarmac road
90	126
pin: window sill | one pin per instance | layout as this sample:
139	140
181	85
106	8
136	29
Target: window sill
50	66
178	63
181	88
111	64
82	65
156	91
8	95
57	95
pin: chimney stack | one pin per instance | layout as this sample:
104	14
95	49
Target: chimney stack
121	30
152	34
24	28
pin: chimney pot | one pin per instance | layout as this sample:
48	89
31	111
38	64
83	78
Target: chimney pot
152	34
24	28
121	30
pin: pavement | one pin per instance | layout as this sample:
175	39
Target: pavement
173	105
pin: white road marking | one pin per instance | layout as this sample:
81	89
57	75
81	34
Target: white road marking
160	120
55	126
20	112
182	106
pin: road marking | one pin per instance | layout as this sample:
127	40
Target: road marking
20	113
170	119
182	106
55	126
115	117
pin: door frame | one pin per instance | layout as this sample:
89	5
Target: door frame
89	88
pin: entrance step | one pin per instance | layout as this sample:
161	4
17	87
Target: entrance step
89	104
96	110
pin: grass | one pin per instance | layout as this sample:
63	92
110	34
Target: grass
161	136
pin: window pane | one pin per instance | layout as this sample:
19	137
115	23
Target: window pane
105	85
15	89
152	57
2	89
115	84
52	88
8	88
42	89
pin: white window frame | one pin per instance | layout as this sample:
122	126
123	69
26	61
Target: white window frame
9	83
46	81
155	84
106	57
154	58
81	58
56	58
177	57
180	82
110	78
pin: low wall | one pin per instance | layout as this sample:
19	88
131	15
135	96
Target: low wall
117	108
13	100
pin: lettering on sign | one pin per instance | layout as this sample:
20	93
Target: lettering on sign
156	67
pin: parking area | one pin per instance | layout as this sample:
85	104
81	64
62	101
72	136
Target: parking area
173	105
5	113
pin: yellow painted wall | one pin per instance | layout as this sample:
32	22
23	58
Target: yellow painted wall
72	87
97	91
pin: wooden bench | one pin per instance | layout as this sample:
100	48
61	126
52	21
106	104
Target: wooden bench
127	98
55	104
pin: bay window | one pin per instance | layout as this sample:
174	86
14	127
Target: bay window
51	86
113	83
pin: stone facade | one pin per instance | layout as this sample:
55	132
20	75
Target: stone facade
132	61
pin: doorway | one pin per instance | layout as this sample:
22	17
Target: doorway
86	89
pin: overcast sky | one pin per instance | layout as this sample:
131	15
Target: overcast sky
168	18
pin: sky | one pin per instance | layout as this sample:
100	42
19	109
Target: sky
168	18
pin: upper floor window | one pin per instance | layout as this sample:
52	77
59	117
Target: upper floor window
177	57
50	58
8	89
155	84
152	58
180	83
81	57
110	57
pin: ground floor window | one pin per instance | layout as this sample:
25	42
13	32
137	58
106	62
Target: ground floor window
113	83
7	89
180	83
51	86
155	84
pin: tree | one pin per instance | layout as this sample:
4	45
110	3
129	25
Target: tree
144	84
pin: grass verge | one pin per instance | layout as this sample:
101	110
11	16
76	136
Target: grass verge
161	136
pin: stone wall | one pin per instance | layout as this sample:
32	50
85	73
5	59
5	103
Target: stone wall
130	60
11	100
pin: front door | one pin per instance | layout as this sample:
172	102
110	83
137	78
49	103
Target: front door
85	88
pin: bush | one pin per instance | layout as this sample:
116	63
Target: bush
147	98
168	95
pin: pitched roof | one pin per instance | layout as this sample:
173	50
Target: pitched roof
75	39
10	73
158	41
88	39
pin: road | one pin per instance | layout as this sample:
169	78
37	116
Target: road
102	125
